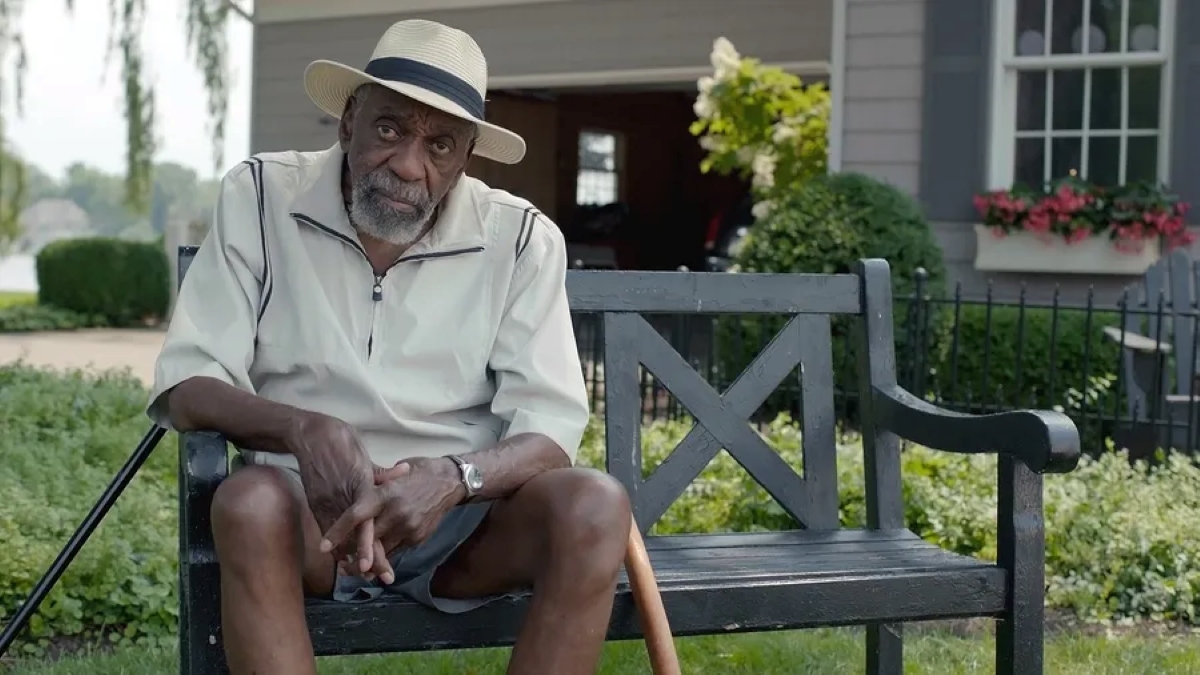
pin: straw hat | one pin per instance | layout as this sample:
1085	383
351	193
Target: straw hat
429	62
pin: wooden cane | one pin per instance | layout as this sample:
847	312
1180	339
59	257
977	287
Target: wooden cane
659	643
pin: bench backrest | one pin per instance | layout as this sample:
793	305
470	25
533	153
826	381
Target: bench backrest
620	298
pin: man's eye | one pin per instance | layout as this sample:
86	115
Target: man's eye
386	133
441	147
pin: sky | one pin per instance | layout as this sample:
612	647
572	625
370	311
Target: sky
72	98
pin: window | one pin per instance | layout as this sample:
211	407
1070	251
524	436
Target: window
1090	103
596	183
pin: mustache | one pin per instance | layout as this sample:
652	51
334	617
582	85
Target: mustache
386	183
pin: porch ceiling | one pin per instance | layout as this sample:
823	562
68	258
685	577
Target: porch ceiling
278	11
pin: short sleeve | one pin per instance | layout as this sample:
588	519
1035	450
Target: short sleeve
213	325
539	379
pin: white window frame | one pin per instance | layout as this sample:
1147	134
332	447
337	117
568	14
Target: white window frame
1006	64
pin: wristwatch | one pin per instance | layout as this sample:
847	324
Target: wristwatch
472	478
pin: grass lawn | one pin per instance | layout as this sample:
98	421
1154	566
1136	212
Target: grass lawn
10	298
825	651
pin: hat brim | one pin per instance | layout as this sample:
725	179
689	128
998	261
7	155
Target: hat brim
330	84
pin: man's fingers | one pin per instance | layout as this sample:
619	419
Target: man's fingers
366	548
402	468
382	566
362	511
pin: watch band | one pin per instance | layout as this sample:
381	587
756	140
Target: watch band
463	468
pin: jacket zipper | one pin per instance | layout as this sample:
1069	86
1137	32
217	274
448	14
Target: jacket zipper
377	287
376	298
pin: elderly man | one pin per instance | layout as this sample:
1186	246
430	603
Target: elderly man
387	342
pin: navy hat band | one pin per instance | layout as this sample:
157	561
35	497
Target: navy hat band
436	80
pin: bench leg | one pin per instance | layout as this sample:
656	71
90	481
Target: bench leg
201	650
203	464
1021	551
885	649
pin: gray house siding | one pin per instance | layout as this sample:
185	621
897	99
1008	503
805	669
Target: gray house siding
881	122
554	38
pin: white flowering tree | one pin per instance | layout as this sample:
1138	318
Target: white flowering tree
762	124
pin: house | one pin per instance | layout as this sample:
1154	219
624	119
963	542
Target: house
939	97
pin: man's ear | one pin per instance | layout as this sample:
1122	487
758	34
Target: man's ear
346	123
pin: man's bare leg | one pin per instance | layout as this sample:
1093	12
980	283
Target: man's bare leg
564	534
267	543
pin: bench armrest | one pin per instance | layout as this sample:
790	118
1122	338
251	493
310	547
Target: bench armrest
1136	341
203	464
1043	440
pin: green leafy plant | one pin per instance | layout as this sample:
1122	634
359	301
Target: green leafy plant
760	123
30	317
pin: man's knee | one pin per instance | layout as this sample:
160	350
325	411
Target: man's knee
589	517
255	505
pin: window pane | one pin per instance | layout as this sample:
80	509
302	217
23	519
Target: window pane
1031	28
597	151
1066	25
1068	99
1105	35
1143	25
1065	156
1104	160
1141	162
1106	98
595	187
1031	100
1145	95
1029	164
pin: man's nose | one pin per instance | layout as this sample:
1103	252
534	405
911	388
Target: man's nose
408	162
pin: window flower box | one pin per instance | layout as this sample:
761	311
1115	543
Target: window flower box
1077	228
998	251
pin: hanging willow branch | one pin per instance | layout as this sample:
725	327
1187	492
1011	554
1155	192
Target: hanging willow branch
204	27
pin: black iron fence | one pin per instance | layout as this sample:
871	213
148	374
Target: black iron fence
971	354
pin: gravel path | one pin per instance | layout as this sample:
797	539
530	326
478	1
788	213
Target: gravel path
87	349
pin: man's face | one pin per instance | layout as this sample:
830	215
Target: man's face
403	157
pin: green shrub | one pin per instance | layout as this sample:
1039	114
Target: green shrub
1024	358
834	220
891	226
123	281
1120	540
29	317
824	227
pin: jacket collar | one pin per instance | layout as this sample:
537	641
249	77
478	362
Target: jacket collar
458	225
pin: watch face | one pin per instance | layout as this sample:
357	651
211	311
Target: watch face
474	478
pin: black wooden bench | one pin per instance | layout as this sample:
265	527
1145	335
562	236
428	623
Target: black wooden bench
820	575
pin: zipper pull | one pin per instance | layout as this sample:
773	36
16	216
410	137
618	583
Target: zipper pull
377	291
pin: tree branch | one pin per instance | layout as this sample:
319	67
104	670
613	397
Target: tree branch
237	9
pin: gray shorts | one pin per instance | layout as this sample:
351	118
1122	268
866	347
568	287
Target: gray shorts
414	567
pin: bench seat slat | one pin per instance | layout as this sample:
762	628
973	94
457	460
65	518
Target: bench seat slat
731	581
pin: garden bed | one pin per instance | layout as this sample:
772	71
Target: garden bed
1120	539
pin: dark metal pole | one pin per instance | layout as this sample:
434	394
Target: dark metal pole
115	488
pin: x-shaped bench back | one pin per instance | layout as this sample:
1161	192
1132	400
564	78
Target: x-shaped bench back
721	418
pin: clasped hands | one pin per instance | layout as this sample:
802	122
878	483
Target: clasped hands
366	511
